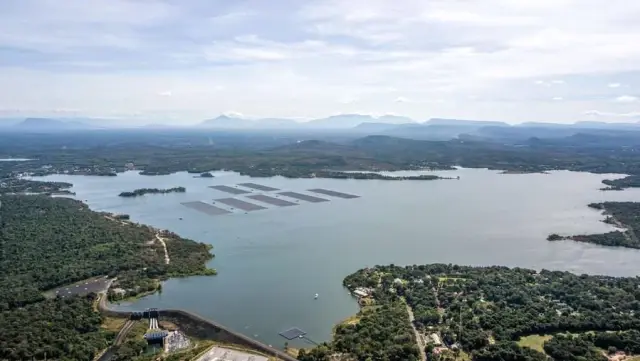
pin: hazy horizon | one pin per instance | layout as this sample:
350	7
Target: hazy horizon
167	61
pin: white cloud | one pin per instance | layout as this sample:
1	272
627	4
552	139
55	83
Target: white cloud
558	98
597	113
626	99
614	85
308	59
233	114
401	100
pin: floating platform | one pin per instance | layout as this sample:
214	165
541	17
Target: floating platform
258	187
303	197
228	189
271	200
205	208
331	193
236	203
292	333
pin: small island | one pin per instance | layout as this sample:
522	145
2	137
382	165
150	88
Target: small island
143	191
206	175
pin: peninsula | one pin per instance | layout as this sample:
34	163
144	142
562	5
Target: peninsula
446	312
623	215
143	191
51	244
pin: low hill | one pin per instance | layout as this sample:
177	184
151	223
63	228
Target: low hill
49	124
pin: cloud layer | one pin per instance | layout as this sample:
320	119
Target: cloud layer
170	60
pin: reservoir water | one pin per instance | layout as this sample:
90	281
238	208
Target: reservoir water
272	262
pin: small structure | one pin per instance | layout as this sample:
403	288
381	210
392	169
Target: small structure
156	337
119	291
136	316
436	339
293	333
360	293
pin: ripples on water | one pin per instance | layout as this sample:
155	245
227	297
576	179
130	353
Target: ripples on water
271	263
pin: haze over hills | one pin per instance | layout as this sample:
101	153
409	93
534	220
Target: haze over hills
348	124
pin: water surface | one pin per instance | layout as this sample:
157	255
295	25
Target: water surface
272	262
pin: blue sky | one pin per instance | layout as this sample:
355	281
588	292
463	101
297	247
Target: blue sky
180	61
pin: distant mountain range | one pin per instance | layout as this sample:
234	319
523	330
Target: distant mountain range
391	125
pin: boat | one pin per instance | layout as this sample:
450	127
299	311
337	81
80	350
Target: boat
316	296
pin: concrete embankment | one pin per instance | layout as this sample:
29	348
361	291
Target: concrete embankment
197	326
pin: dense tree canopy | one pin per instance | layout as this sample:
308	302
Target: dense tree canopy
485	310
49	242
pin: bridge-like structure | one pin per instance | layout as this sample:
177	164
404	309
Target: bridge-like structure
153	314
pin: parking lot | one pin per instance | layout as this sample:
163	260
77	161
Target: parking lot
225	354
82	288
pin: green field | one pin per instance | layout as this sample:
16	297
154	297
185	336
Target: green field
535	342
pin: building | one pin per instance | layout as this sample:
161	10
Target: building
156	337
436	339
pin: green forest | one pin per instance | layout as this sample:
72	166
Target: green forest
299	155
49	242
483	313
143	191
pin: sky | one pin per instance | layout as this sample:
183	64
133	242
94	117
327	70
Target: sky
181	61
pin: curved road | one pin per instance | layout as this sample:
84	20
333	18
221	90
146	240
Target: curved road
103	308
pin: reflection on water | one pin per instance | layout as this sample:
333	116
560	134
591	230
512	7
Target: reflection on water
272	262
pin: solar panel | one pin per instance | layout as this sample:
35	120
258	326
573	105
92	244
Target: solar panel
292	333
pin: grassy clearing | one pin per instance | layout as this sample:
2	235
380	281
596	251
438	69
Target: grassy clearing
352	320
535	342
112	324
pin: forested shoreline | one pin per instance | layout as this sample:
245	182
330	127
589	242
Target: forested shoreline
50	242
624	215
142	191
482	313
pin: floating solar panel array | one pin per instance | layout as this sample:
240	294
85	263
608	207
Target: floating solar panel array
273	201
227	205
303	197
240	204
293	333
206	208
231	190
331	193
258	187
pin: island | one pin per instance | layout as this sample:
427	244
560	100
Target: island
623	215
143	191
51	244
206	175
452	312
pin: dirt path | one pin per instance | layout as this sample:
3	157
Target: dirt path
164	245
419	339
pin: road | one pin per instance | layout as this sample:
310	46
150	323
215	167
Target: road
419	339
164	245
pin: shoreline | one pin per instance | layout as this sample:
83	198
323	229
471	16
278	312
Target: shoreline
197	326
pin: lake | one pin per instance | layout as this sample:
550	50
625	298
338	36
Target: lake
272	262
